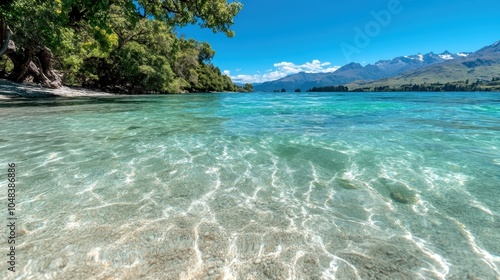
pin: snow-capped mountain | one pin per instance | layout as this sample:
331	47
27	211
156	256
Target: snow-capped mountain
493	49
409	62
483	64
356	72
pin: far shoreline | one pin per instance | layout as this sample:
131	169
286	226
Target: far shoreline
12	90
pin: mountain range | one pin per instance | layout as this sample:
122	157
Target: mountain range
419	68
483	64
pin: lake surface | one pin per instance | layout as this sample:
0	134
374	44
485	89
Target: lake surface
255	186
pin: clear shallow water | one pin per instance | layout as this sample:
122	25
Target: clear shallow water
256	186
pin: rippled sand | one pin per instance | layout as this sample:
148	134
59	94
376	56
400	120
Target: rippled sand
165	188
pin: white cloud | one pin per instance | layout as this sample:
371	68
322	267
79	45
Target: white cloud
283	69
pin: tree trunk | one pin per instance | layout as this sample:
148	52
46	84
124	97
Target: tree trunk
21	65
25	67
45	58
4	36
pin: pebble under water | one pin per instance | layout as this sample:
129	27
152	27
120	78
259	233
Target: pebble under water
255	186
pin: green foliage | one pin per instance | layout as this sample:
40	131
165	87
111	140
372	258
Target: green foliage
215	14
329	89
479	85
118	46
205	52
6	65
41	27
248	87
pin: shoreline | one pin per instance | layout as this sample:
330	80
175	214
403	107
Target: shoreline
9	90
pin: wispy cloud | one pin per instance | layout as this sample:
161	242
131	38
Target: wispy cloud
283	69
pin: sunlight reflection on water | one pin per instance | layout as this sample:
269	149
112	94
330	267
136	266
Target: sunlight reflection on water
256	186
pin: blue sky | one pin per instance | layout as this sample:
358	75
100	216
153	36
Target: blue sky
277	38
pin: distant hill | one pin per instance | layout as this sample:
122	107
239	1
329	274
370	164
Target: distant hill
483	64
356	72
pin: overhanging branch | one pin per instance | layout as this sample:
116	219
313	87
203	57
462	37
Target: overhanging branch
5	35
5	40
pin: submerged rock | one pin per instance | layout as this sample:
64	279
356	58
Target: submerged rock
346	184
133	127
403	198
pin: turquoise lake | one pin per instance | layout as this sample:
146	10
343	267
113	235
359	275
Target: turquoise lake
255	186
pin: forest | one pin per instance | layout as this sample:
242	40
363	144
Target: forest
122	46
462	86
478	85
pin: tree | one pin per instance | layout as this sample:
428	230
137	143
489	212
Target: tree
331	89
215	14
5	34
297	90
283	90
248	88
36	34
